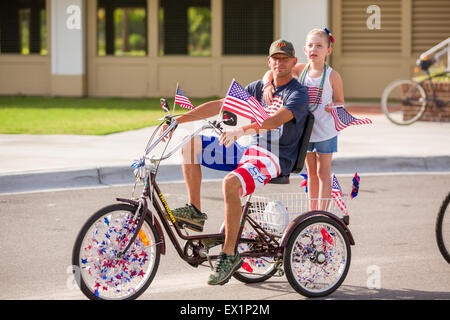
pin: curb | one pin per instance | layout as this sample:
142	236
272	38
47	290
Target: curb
67	179
391	164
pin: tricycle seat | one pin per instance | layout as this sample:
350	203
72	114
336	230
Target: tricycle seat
280	180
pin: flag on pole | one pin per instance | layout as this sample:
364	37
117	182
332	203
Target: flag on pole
343	119
336	193
182	100
239	101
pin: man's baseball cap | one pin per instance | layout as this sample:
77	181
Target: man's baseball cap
282	46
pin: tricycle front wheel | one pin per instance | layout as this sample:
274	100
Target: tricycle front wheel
317	257
101	271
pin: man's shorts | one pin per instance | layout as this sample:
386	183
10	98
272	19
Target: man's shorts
253	165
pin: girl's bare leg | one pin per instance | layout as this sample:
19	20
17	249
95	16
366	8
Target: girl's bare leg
313	180
324	177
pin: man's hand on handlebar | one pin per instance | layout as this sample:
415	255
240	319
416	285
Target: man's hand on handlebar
227	138
164	128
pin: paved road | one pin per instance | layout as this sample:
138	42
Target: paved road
392	221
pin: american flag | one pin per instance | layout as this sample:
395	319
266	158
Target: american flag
182	100
239	101
343	119
336	193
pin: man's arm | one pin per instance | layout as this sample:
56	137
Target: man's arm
280	117
205	110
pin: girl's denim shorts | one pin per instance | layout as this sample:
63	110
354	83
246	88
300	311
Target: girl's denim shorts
327	146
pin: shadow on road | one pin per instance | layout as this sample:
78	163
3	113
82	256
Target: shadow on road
346	292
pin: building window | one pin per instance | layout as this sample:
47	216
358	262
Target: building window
23	27
122	27
185	27
248	28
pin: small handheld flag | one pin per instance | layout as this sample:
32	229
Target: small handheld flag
239	101
343	119
182	100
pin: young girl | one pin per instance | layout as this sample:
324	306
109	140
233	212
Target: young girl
325	88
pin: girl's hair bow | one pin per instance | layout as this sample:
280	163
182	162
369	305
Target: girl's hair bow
329	34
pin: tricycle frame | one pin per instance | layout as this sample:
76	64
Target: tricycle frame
267	244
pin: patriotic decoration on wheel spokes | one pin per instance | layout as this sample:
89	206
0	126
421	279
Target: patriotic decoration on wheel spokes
254	265
336	193
343	119
239	101
182	100
102	270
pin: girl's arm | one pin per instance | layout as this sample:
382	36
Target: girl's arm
268	87
338	90
298	69
268	78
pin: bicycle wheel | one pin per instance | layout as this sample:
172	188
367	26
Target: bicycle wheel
404	101
99	272
443	229
317	257
253	270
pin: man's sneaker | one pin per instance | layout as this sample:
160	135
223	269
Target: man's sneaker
225	266
190	217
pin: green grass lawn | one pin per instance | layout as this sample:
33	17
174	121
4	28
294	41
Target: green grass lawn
83	116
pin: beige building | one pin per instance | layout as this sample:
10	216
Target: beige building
143	48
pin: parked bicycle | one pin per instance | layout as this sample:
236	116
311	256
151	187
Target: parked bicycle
117	252
405	101
443	229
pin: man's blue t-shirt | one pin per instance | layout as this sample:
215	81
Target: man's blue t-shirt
283	141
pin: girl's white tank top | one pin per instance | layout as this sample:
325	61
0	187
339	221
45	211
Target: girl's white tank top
323	128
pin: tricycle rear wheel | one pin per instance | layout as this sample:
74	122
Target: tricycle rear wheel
317	257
